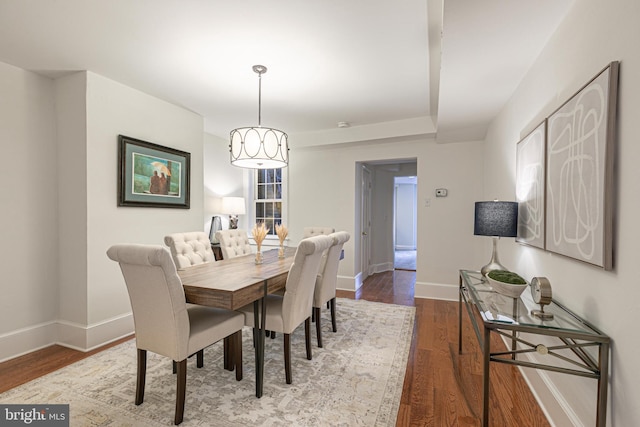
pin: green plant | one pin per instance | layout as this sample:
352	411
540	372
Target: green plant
507	277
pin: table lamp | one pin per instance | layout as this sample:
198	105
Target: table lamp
496	219
233	206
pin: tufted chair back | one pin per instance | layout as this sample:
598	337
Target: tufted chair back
328	275
314	231
298	295
233	243
190	248
157	298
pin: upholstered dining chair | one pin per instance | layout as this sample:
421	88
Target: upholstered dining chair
164	323
285	313
233	243
314	231
190	248
325	289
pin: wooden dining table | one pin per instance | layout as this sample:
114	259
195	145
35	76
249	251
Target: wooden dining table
236	282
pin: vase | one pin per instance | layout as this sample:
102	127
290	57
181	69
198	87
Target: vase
281	251
258	257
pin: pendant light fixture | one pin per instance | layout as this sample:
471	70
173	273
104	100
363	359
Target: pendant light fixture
259	147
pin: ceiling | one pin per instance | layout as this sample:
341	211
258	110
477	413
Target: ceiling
388	68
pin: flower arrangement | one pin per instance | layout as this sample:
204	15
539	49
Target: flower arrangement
282	232
259	232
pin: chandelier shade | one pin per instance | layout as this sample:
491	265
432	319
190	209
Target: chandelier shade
259	147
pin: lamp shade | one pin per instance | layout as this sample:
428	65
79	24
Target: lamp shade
496	219
233	206
259	148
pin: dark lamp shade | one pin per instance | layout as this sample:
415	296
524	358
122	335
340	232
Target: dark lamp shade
496	219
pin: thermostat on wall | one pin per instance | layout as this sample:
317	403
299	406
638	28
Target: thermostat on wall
441	192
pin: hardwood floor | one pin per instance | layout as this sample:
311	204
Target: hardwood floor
441	387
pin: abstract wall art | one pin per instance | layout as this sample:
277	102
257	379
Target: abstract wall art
530	180
579	180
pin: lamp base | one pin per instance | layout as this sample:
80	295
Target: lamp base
494	263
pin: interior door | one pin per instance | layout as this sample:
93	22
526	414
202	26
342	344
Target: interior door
365	232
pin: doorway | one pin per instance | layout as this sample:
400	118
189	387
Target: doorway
376	216
405	222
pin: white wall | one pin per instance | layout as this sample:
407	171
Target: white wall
29	214
593	34
323	189
61	213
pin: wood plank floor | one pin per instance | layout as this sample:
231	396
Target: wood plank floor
441	387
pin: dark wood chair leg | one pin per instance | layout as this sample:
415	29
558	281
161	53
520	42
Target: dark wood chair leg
273	334
181	391
200	359
175	367
237	354
333	314
228	360
142	374
316	312
287	358
307	336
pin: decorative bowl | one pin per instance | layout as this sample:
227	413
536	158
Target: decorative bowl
512	290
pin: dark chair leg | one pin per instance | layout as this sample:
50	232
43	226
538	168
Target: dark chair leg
175	367
333	314
273	334
200	359
307	336
316	312
142	373
228	361
237	354
287	358
181	390
327	304
313	314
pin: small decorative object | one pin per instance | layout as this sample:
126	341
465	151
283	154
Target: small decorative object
496	219
541	294
151	175
259	233
507	283
282	232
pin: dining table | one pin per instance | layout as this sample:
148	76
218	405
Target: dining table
236	282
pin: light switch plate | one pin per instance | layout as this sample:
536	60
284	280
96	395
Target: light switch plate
441	192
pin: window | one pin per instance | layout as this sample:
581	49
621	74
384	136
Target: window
269	198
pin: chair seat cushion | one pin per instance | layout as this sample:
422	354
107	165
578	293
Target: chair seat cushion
274	321
207	323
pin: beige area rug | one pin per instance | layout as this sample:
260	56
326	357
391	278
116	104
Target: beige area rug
354	380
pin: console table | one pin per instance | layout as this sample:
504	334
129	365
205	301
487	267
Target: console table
510	317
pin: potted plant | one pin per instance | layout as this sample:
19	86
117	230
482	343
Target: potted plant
507	283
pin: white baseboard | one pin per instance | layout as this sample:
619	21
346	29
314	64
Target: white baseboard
67	334
25	340
380	268
436	291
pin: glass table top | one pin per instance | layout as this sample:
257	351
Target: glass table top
497	308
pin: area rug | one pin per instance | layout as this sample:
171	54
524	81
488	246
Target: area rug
354	380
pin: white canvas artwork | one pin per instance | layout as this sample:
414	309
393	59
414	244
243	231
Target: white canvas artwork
579	172
530	179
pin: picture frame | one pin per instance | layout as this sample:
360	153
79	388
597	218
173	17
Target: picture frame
530	187
151	175
580	159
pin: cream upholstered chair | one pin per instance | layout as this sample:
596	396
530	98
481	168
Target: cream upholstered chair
314	231
190	248
233	243
286	313
325	290
164	322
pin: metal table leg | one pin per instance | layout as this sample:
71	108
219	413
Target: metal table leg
260	306
486	358
603	383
